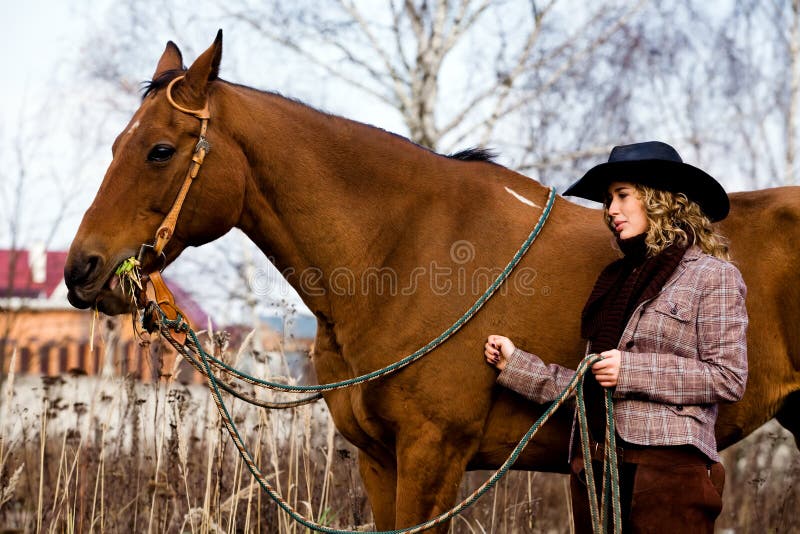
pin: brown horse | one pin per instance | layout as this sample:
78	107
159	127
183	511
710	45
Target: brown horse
340	205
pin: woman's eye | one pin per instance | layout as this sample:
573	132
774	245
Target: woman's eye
160	153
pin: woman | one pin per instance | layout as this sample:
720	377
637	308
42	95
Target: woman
669	320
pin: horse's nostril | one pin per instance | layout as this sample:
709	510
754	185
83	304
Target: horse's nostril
82	269
91	265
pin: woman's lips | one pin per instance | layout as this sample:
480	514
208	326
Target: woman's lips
618	226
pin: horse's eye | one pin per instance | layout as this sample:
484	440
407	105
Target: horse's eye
160	153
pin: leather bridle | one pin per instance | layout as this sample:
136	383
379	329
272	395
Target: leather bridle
167	228
156	291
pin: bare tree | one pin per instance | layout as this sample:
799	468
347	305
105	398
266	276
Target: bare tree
720	81
13	188
759	46
40	182
454	70
551	84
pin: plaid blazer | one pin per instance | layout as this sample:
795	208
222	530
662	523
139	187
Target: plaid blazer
683	352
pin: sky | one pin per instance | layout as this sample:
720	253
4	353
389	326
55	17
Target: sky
35	40
40	47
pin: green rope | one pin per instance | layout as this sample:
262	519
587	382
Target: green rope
610	495
231	388
575	386
412	357
205	362
179	324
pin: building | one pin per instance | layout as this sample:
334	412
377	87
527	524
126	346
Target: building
48	336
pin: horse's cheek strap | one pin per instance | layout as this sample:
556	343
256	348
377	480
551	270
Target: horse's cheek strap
165	231
167	228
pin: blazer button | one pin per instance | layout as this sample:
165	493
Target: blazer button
674	310
679	407
629	344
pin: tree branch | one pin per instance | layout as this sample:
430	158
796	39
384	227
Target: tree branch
301	51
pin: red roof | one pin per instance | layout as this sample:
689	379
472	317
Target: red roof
17	278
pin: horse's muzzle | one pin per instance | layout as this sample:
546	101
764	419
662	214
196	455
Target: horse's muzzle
87	278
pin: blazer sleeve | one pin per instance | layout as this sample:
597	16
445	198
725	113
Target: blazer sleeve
527	374
719	373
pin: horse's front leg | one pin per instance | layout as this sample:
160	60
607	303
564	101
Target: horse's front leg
380	481
430	467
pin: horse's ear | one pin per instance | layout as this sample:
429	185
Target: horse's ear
204	69
171	59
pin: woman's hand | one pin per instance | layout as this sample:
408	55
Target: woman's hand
497	351
606	371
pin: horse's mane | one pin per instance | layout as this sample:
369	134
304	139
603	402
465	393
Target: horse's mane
476	153
469	154
160	81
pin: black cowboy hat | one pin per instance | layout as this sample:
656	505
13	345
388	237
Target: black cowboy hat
658	165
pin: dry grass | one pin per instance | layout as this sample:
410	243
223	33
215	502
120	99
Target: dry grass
91	454
87	454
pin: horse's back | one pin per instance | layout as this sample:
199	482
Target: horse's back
764	233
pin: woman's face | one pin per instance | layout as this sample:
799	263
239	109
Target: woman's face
626	210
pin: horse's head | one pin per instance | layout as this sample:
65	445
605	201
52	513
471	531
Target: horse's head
151	158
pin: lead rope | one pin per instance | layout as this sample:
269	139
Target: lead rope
610	476
461	321
610	495
178	325
229	370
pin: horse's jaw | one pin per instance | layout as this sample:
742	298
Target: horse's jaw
109	299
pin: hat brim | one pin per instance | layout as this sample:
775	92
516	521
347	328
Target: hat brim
666	175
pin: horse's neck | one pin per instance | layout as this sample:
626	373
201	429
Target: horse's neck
328	194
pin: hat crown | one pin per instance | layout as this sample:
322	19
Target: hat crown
649	150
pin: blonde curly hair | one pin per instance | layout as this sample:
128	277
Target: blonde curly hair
674	219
